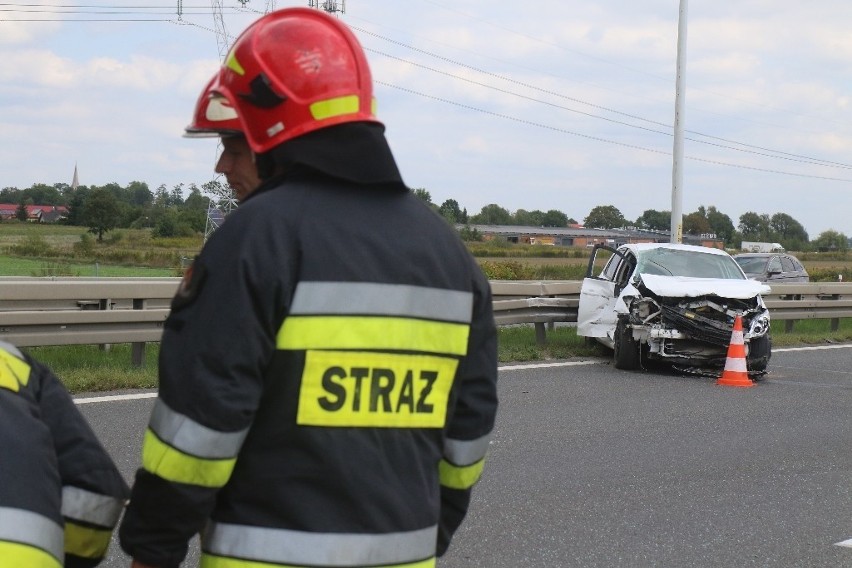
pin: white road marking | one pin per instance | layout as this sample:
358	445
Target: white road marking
547	365
813	348
115	397
846	543
120	397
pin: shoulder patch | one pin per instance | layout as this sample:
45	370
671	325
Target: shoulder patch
190	285
14	372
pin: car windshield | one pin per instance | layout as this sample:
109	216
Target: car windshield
753	264
673	262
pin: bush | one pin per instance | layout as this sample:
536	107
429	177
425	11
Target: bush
55	269
114	237
33	245
830	274
86	246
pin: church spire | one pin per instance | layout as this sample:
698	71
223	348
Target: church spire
75	182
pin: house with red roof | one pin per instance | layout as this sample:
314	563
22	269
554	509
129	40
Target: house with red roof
35	213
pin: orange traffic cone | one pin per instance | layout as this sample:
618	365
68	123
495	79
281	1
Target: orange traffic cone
736	372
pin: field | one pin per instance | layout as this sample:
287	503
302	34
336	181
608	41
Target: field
28	249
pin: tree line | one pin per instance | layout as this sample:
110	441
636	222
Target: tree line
779	227
104	208
168	213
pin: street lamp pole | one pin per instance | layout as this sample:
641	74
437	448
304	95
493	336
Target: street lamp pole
677	153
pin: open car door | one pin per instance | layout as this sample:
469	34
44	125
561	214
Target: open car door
596	315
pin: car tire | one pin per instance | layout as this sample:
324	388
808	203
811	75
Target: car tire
625	352
759	352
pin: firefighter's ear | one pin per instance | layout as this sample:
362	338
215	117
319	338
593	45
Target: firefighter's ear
190	285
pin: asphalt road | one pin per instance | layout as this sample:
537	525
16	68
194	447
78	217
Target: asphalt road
594	467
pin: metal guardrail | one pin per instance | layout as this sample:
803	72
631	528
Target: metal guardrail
80	311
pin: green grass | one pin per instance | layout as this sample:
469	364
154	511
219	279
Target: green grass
87	368
14	266
811	332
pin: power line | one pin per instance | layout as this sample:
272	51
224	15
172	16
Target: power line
788	157
600	139
782	155
746	148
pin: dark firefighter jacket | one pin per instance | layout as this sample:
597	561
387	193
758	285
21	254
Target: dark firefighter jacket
327	382
60	493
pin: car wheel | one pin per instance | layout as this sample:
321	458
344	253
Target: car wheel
759	352
625	349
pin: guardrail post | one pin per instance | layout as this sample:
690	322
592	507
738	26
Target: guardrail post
105	304
137	353
540	333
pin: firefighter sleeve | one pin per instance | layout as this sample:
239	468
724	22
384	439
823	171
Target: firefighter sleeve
93	491
217	342
472	421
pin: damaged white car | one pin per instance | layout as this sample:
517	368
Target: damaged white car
673	303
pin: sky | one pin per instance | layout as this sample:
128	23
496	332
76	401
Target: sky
564	105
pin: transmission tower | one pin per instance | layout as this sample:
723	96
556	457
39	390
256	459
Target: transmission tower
216	215
330	6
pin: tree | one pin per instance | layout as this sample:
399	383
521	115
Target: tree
790	232
221	192
451	211
754	226
176	196
43	194
696	224
654	220
492	214
528	218
720	224
423	194
196	201
605	217
139	194
21	211
76	206
554	218
831	240
101	212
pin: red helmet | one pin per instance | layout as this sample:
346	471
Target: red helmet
213	116
294	71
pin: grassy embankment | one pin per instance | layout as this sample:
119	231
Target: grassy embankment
87	368
33	250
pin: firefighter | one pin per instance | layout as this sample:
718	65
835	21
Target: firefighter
60	493
328	370
214	116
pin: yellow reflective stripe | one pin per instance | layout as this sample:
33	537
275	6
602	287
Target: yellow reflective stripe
14	372
459	477
379	390
211	561
374	106
173	465
86	542
350	332
234	65
337	106
14	554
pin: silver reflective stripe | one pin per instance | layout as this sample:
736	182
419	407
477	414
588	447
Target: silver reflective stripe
382	300
281	546
11	349
26	527
192	438
466	452
94	508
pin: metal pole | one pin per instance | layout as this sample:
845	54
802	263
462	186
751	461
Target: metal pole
677	153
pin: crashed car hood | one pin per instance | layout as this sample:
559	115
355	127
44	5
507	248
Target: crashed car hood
687	287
